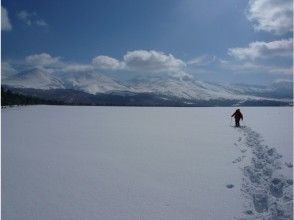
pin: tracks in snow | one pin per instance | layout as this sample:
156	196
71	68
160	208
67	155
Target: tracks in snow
268	193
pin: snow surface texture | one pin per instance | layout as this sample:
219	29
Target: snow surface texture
146	163
268	191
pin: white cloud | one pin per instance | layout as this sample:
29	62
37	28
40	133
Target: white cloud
271	15
142	61
42	60
263	50
30	19
181	75
5	22
24	16
106	62
250	67
138	61
283	84
202	60
41	23
281	81
280	70
7	69
76	68
51	63
152	61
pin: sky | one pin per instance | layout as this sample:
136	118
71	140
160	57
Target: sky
228	41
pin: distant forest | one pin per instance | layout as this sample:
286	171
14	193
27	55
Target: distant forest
9	98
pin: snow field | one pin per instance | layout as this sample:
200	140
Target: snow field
145	163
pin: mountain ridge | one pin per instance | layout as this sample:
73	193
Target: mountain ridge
157	90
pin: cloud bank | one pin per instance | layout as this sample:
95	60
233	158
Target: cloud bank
42	60
106	62
263	50
5	22
7	70
274	16
203	60
152	61
137	61
142	61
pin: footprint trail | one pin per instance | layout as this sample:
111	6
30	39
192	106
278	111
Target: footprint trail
268	193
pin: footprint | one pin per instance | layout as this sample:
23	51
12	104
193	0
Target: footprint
237	160
287	198
229	186
290	182
260	202
243	150
276	187
248	212
254	177
289	164
240	139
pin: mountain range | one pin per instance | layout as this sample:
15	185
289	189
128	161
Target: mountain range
97	89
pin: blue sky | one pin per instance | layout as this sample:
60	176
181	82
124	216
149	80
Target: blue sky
232	41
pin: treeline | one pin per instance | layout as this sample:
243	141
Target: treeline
9	98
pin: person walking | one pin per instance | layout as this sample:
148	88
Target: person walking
237	115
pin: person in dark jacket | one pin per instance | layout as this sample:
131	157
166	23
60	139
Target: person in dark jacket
237	115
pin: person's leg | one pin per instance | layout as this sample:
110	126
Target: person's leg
237	123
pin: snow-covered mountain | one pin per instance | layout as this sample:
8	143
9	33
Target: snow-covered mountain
187	90
36	79
92	83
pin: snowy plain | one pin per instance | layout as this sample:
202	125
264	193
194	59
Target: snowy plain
146	163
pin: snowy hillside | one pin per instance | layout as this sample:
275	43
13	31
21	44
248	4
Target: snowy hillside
35	78
92	83
182	91
146	163
187	89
